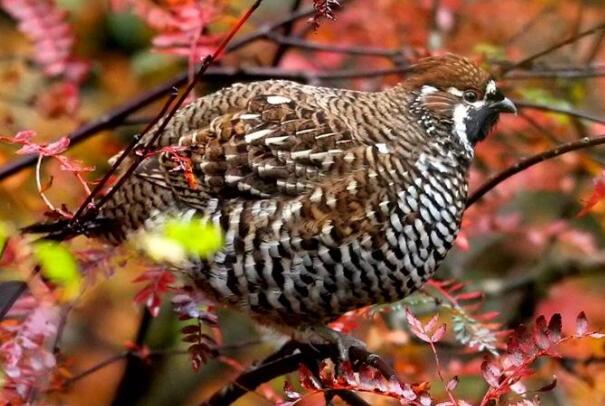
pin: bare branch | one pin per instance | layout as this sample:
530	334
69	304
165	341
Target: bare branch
341	49
560	110
527	62
531	161
112	118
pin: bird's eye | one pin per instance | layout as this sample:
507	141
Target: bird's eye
470	96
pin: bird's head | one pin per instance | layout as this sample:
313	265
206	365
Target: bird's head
455	90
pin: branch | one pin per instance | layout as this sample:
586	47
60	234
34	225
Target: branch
118	357
287	30
117	115
565	72
531	161
527	62
315	46
533	285
137	375
561	110
286	360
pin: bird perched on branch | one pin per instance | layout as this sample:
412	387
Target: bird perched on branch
329	199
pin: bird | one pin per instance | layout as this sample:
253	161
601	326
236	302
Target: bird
329	199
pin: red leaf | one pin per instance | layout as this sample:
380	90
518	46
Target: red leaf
323	9
541	337
554	328
414	323
549	387
57	147
431	324
307	379
581	324
24	137
438	334
452	384
595	197
73	165
159	282
491	373
469	296
289	391
29	149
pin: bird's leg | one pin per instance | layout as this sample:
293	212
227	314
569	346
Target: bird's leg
322	335
349	348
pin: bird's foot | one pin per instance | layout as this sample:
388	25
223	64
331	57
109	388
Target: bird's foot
320	335
349	349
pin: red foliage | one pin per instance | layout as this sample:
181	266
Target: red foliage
158	282
324	9
47	27
524	347
189	305
181	26
428	332
54	150
595	197
26	358
183	163
365	380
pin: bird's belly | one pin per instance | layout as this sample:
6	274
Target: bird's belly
282	286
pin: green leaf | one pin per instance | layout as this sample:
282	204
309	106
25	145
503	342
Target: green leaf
197	236
59	266
3	235
490	51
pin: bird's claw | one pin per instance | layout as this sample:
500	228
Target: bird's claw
349	349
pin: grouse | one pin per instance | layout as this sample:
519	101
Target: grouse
329	199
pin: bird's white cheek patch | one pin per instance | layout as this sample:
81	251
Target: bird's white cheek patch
460	115
490	88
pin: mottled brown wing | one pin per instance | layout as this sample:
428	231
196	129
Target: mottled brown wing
275	146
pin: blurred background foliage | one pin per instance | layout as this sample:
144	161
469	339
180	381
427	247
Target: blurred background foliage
523	244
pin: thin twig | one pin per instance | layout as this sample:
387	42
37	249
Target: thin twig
525	28
117	115
287	31
560	110
531	161
566	72
136	377
525	63
341	49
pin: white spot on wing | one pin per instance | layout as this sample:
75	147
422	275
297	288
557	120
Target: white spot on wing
257	135
249	116
383	148
278	100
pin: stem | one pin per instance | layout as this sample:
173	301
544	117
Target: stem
39	183
528	61
531	161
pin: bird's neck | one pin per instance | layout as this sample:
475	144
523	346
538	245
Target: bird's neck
398	118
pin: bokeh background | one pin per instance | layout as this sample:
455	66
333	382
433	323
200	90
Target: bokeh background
523	245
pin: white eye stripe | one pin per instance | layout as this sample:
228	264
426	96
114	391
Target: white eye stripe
490	89
455	91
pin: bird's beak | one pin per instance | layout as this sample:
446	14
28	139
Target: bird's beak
504	106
